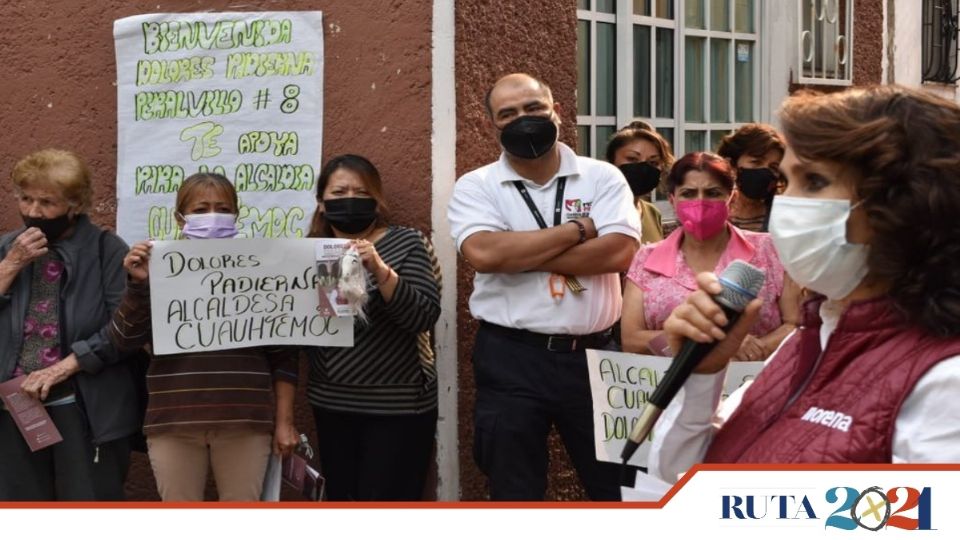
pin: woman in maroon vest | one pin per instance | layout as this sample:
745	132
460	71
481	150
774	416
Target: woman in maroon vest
868	222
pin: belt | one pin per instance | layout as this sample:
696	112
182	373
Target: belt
552	342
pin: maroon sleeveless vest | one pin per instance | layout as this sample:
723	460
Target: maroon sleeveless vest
839	405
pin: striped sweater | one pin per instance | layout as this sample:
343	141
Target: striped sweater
203	390
390	369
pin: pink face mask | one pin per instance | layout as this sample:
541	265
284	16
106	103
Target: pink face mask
702	218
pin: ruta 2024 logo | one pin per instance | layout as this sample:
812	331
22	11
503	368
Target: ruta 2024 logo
848	508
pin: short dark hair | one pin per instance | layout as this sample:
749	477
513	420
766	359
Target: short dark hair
705	162
904	147
751	140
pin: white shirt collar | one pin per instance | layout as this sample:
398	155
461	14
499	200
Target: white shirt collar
568	167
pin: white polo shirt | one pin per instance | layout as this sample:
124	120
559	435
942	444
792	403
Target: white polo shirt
487	200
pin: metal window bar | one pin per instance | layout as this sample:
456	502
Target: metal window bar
940	43
825	48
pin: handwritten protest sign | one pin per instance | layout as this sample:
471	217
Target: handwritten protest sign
228	294
239	94
621	384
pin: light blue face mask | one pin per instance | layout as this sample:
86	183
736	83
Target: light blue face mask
810	236
210	225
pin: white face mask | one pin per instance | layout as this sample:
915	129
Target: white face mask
810	236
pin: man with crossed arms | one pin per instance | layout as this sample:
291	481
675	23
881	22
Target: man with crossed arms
547	232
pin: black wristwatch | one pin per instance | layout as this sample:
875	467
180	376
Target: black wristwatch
583	231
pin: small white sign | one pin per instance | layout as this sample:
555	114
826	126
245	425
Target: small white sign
743	52
235	293
622	383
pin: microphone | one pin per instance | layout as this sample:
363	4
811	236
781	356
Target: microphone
741	282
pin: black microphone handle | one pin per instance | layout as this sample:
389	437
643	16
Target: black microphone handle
690	355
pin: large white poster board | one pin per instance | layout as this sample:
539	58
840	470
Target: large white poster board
235	93
621	384
228	294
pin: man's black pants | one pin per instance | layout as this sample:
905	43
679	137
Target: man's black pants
522	390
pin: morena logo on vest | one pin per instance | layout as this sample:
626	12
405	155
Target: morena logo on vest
841	507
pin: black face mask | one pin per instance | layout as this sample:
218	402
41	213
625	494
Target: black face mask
351	215
529	137
52	228
757	183
642	177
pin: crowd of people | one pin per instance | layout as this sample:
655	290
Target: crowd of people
848	213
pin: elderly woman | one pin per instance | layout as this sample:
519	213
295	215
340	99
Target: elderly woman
61	277
868	223
663	274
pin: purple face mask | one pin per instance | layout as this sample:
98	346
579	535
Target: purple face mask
212	225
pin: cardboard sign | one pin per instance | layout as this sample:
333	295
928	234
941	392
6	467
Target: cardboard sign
621	384
236	93
234	293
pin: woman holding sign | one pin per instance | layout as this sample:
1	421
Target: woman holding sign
229	409
868	222
375	403
701	186
60	280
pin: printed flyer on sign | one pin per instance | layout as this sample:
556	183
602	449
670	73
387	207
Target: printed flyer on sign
229	294
239	94
337	274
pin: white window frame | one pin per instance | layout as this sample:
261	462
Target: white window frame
821	25
625	19
592	121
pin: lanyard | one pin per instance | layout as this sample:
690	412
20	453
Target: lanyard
557	208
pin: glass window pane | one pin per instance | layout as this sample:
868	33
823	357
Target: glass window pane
720	15
664	73
694	82
743	16
720	80
583	4
603	135
607	6
606	69
665	9
715	137
641	71
695	141
744	81
641	7
583	140
583	68
693	16
667	134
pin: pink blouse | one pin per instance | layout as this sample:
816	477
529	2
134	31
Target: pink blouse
666	280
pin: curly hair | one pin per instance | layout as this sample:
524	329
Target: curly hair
62	170
712	164
904	146
750	140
